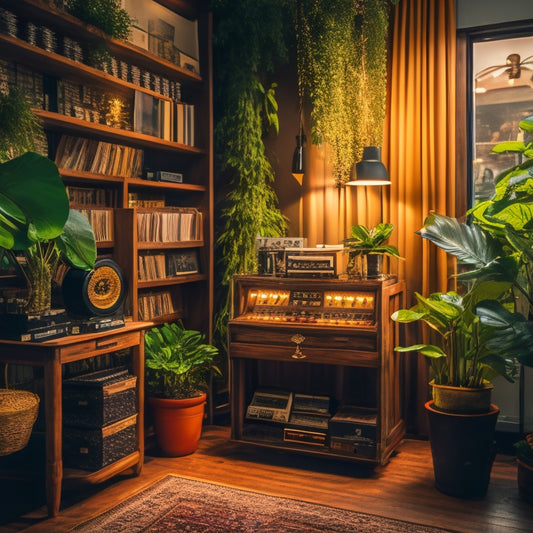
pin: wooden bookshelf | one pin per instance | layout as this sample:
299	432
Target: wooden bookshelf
191	294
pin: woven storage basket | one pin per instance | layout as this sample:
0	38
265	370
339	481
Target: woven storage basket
18	412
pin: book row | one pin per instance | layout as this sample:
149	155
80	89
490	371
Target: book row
171	121
91	196
158	266
101	221
176	225
43	37
155	304
99	157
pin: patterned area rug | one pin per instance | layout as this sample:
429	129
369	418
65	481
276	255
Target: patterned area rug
177	504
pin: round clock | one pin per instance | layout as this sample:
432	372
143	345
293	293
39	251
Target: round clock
96	292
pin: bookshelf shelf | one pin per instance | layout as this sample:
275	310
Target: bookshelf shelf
169	245
177	280
53	66
63	123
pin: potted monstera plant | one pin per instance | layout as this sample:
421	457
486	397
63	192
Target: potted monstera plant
37	227
178	364
481	331
366	248
476	337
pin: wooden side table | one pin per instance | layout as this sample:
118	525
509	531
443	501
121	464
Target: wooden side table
51	355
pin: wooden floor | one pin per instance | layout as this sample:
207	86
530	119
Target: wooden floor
402	489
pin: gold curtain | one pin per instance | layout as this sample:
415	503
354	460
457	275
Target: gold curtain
420	154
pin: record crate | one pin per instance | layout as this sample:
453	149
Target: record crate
92	449
99	398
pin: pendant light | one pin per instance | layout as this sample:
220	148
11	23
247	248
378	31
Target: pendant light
370	170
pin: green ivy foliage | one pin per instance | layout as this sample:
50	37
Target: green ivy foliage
249	40
19	125
104	14
342	65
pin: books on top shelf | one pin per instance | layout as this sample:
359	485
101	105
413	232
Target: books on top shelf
170	225
99	157
164	32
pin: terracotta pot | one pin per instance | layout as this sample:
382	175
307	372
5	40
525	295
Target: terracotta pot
463	450
525	480
462	399
178	424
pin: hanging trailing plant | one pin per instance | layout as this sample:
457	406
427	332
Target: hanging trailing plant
20	126
342	63
107	15
245	109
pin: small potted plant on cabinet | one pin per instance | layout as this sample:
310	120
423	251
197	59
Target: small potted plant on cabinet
178	363
366	248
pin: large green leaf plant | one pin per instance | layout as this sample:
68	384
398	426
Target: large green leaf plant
178	361
37	227
481	331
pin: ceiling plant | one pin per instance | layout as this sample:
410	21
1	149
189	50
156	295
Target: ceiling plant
342	65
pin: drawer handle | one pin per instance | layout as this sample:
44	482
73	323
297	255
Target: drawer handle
101	345
298	339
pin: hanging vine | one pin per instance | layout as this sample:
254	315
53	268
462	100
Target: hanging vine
249	39
342	63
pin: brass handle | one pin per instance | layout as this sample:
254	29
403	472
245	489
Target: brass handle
298	339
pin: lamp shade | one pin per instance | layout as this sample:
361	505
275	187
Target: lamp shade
370	170
298	159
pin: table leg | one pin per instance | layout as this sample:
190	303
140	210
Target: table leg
53	413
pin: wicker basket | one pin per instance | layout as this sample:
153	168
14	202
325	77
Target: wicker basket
18	412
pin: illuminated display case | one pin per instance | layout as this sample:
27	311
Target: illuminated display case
325	340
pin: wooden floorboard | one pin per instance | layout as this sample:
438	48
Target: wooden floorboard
402	489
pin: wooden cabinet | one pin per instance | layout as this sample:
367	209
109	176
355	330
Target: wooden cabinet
51	56
318	339
51	356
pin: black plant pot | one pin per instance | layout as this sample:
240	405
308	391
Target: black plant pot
463	450
374	265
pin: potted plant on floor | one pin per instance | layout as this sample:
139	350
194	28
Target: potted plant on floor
366	248
37	227
476	338
481	332
178	364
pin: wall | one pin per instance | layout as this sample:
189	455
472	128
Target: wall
470	13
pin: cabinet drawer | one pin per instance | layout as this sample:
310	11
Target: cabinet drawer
324	338
329	356
106	344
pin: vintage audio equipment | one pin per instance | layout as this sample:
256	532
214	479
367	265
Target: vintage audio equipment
274	406
314	262
97	292
331	343
310	306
